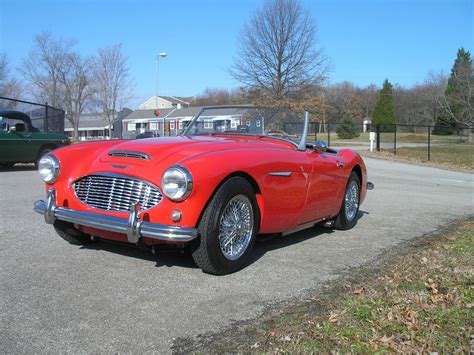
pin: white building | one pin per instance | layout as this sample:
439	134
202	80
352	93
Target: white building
91	127
171	121
162	102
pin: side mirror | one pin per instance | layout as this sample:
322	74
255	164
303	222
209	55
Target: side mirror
320	146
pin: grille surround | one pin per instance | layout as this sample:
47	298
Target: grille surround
116	192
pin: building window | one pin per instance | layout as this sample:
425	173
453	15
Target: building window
131	126
172	125
258	123
233	124
207	124
153	126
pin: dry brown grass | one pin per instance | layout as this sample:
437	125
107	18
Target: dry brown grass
420	302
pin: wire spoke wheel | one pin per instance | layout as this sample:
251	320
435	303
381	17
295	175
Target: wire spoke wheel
352	200
236	227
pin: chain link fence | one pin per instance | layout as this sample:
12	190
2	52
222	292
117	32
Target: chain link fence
422	141
44	117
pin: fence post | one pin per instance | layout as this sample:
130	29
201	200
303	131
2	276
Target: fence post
46	119
395	140
378	137
329	134
429	143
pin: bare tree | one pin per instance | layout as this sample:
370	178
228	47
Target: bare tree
59	76
112	83
75	88
43	66
9	86
218	96
277	51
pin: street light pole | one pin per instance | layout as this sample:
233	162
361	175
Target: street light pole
160	55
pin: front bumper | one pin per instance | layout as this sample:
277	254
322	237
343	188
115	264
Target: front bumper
133	227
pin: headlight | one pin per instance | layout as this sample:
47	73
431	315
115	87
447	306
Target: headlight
177	183
48	168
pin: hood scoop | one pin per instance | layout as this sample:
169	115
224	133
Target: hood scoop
132	154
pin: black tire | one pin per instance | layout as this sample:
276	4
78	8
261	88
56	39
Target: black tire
342	221
206	250
7	165
42	153
70	234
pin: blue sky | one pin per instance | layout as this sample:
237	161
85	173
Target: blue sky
366	41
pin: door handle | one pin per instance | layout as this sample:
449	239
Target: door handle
340	164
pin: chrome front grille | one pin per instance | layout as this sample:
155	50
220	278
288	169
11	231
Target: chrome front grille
113	192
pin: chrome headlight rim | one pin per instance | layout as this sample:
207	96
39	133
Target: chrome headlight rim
187	178
54	170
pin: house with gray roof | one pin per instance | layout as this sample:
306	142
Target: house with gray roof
163	102
171	121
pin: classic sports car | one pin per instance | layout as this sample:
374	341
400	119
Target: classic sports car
210	189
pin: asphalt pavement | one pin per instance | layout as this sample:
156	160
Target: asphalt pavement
56	297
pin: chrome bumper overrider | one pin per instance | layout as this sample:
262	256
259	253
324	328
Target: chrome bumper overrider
133	227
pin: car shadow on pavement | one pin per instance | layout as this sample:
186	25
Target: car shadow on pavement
166	256
20	167
169	257
268	244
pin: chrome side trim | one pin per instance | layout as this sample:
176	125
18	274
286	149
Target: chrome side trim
133	226
280	173
129	154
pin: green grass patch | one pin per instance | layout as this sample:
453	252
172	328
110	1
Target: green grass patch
459	156
388	137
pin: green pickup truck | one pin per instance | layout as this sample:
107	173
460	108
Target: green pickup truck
22	142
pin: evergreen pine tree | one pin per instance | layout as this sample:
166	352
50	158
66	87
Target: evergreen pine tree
383	111
347	129
461	73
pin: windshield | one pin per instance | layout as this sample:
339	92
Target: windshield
279	123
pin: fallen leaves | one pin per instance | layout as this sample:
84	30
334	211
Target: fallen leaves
417	304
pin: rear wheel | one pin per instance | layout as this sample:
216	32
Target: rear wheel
227	229
70	234
347	217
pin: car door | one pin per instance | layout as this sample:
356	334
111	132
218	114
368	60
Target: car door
324	186
16	142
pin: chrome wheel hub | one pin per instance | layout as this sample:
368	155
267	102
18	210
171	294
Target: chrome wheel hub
236	227
352	200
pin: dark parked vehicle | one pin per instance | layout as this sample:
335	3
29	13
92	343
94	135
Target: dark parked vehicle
148	134
22	142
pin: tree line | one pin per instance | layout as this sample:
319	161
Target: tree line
280	63
57	74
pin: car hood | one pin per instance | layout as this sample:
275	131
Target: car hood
153	151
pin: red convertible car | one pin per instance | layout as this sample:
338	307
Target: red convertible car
210	189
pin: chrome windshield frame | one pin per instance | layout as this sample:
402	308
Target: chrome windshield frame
300	146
